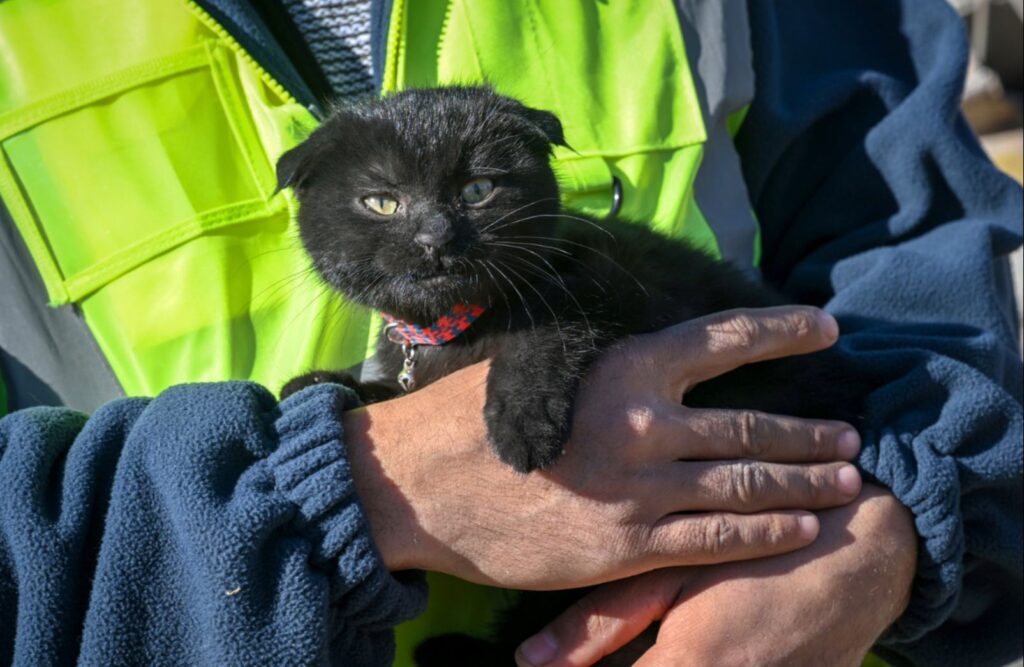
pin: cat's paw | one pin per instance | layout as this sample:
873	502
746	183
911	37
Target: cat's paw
527	427
317	377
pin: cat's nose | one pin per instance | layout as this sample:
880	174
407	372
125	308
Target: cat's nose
435	239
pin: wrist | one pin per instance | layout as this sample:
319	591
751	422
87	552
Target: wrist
888	529
373	457
412	461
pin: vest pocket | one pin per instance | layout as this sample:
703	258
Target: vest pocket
109	174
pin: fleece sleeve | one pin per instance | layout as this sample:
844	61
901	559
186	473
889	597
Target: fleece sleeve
875	199
207	526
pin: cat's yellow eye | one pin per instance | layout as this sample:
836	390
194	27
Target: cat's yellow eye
477	190
381	204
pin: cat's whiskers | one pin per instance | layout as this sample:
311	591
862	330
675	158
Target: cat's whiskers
553	278
599	284
322	288
364	292
520	246
470	271
333	318
553	273
526	306
508	306
565	254
586	247
334	312
302	311
336	304
490	225
505	240
287	284
563	216
558	326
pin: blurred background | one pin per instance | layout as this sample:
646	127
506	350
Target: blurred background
994	92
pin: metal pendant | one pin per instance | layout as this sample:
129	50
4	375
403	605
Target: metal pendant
406	379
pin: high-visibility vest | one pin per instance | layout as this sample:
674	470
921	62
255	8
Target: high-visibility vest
138	142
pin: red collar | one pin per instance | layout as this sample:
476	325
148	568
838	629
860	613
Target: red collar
445	329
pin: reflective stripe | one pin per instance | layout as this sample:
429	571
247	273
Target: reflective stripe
717	38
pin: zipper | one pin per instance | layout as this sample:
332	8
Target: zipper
236	48
284	29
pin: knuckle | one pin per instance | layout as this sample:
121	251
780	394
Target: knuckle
820	444
815	487
803	323
749	482
776	531
823	484
640	420
596	623
753	436
720	535
742	330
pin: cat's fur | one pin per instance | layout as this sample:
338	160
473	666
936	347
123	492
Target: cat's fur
558	286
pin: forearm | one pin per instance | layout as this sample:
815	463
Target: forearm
208	524
396	472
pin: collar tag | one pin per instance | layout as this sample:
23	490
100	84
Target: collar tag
410	336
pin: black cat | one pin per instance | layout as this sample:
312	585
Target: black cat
439	209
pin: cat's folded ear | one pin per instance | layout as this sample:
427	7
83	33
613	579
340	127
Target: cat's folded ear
548	124
295	165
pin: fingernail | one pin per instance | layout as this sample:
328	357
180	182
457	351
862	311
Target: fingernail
848	445
808	526
848	480
828	325
539	649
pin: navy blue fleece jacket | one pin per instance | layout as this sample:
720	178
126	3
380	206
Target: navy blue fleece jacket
876	201
207	526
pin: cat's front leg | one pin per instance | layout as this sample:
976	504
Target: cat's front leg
368	392
531	389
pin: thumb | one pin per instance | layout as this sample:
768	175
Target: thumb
604	620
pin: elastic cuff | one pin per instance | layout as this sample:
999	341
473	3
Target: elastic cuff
311	469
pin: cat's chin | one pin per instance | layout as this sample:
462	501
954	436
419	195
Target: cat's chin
419	297
433	285
434	282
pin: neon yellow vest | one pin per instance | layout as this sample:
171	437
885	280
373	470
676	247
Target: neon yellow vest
138	143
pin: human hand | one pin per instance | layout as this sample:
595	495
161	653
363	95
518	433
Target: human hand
437	498
823	605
